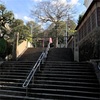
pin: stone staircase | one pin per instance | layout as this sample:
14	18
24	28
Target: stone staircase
31	54
60	78
67	81
60	54
12	76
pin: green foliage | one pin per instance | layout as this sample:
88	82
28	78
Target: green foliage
80	18
71	27
61	30
36	32
6	17
24	31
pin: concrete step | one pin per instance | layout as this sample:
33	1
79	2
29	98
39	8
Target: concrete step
68	72
55	96
16	70
12	92
66	69
72	63
3	83
65	87
14	73
17	67
72	83
67	75
13	76
11	80
17	88
64	92
13	97
89	80
71	66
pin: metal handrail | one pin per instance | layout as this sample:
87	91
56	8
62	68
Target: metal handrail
35	67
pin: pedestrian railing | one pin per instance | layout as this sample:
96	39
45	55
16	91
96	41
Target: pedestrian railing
35	67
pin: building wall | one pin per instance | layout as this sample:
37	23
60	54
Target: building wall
98	16
89	34
90	48
88	24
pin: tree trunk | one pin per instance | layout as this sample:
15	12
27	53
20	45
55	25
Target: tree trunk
56	42
56	27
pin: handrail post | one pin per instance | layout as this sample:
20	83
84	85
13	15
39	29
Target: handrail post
26	91
33	80
39	68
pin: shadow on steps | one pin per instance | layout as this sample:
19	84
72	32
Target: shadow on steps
60	54
31	54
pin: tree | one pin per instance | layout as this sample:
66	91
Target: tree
36	31
61	30
54	12
6	18
80	18
24	31
71	27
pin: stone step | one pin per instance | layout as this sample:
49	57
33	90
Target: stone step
66	69
67	75
13	97
72	83
68	72
12	92
56	96
13	76
16	70
89	80
64	92
17	67
11	80
17	88
13	73
65	87
3	83
66	63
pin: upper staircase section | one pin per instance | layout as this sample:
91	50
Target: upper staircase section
31	54
60	54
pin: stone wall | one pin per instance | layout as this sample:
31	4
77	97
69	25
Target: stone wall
90	48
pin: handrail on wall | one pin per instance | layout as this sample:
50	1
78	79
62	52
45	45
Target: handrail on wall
36	66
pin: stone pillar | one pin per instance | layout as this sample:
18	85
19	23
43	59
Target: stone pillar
76	48
15	44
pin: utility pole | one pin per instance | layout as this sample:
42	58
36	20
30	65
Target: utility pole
32	32
66	36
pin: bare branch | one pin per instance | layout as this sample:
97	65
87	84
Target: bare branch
51	11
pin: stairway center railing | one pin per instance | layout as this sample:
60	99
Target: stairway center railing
36	66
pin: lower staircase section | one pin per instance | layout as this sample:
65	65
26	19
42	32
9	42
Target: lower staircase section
66	81
12	76
59	78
